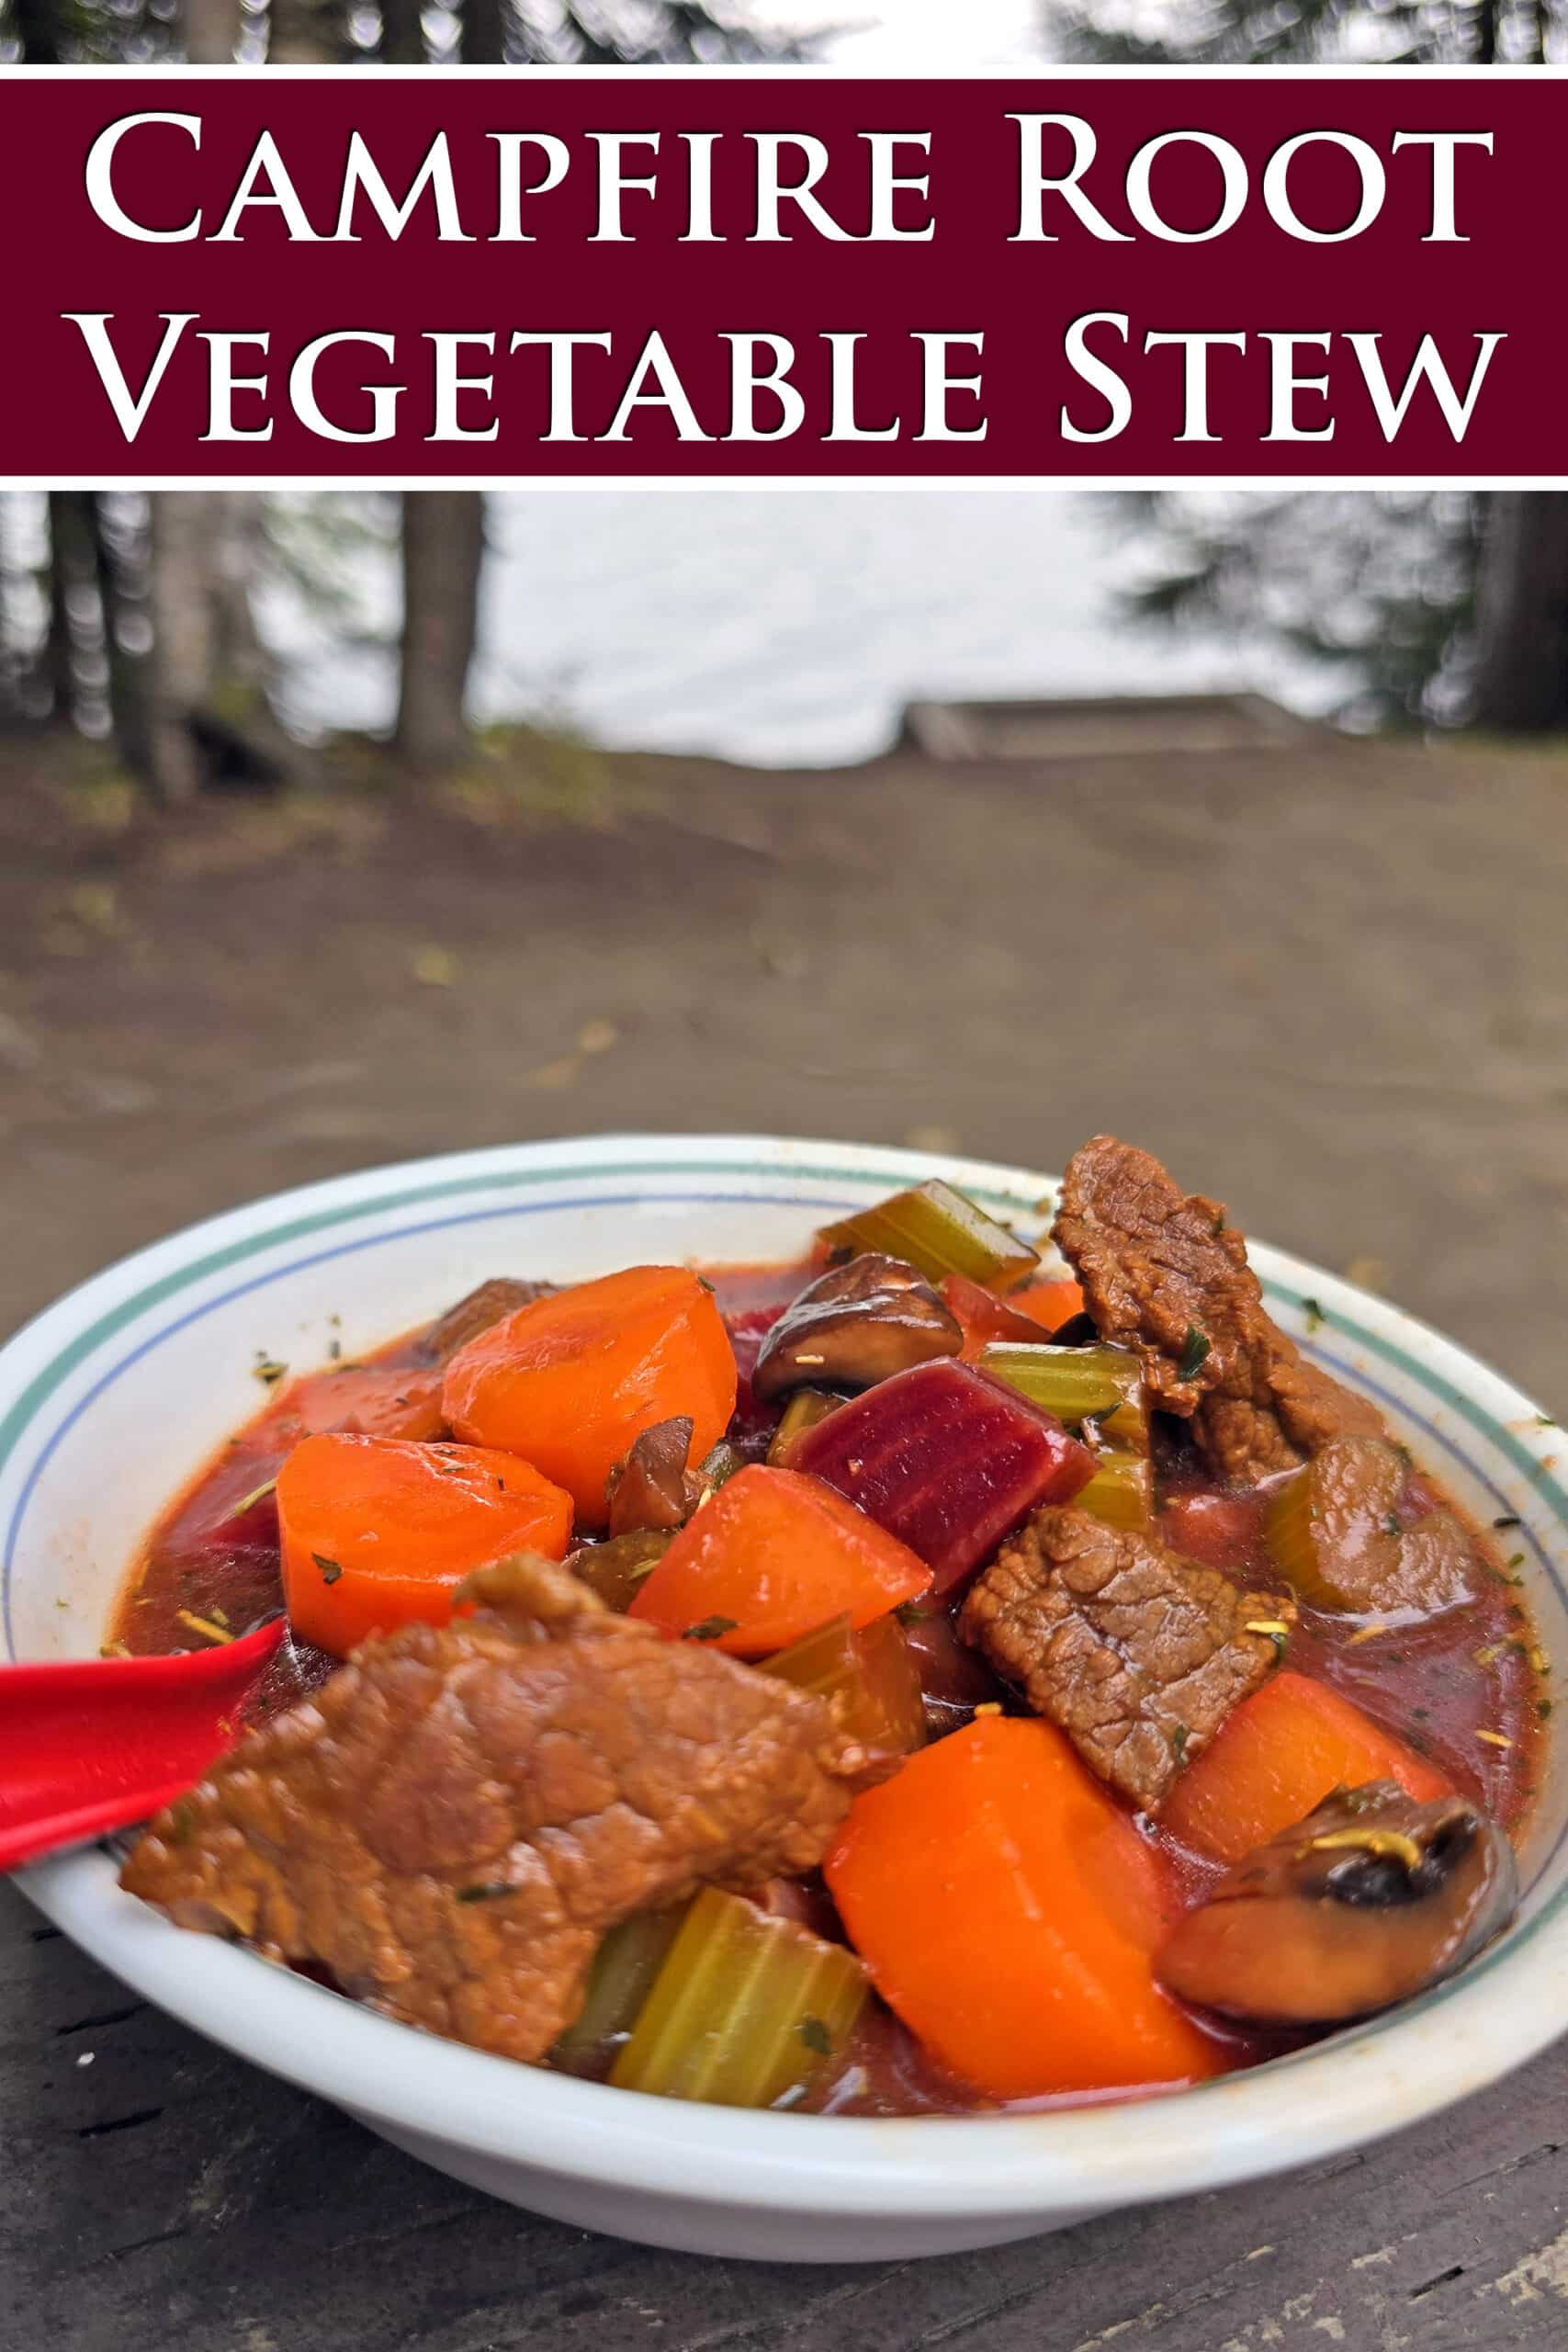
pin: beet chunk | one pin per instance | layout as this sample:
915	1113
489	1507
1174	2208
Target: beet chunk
948	1460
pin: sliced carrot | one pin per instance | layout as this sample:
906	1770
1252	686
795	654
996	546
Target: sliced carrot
1277	1757
373	1399
772	1556
983	1317
1008	1911
378	1531
572	1380
1052	1304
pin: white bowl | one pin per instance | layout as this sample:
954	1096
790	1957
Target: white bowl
112	1399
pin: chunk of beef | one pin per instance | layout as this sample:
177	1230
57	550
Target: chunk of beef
1338	1531
1138	1654
475	1313
454	1821
1163	1272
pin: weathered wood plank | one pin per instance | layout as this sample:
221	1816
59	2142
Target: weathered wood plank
166	2192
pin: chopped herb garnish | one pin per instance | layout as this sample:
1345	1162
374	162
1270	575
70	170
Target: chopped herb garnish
217	1635
1507	1520
335	1350
1516	1559
1544	1422
485	1893
329	1569
710	1628
256	1495
816	2036
1277	1630
910	1612
1315	1317
1194	1350
1178	1739
1219	1225
1544	1708
268	1371
1391	1524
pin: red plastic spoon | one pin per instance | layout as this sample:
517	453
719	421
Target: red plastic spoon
95	1744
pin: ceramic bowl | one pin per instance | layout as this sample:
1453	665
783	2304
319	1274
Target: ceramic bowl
113	1397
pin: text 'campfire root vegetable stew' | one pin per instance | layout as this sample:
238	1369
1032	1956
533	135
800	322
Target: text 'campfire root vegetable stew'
902	1682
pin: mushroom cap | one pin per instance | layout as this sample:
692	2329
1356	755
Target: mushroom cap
1369	1900
855	1324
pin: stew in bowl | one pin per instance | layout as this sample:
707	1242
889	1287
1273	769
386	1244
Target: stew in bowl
952	1672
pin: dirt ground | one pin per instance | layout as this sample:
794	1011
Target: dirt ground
1330	985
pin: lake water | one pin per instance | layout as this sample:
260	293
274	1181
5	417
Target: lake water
782	628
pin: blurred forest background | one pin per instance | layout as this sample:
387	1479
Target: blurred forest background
132	622
1324	974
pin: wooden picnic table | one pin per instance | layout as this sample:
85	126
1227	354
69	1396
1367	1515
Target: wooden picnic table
156	2192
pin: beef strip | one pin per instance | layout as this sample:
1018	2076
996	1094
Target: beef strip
453	1822
1163	1272
475	1313
1358	1554
1138	1654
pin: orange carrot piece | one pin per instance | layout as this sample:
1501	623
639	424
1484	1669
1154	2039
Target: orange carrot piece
1052	1304
771	1558
372	1399
1277	1759
572	1380
1008	1911
378	1532
983	1317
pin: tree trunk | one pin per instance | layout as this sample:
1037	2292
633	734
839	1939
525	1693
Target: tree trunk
67	573
402	33
37	24
1521	612
212	32
306	32
119	561
181	530
481	32
443	551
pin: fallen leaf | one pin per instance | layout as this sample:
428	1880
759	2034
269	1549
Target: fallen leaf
435	967
556	1074
96	906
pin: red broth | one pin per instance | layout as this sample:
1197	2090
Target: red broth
210	1569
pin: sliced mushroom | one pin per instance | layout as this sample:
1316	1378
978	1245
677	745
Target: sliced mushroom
855	1324
651	1487
1370	1899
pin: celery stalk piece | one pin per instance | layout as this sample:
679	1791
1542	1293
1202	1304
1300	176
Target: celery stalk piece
873	1675
1075	1383
1337	1513
941	1232
1121	1491
722	1463
623	1969
805	1409
746	2010
616	1570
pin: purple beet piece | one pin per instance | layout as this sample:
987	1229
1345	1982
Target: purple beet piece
948	1460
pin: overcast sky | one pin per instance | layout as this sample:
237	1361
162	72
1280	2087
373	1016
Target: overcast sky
916	36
